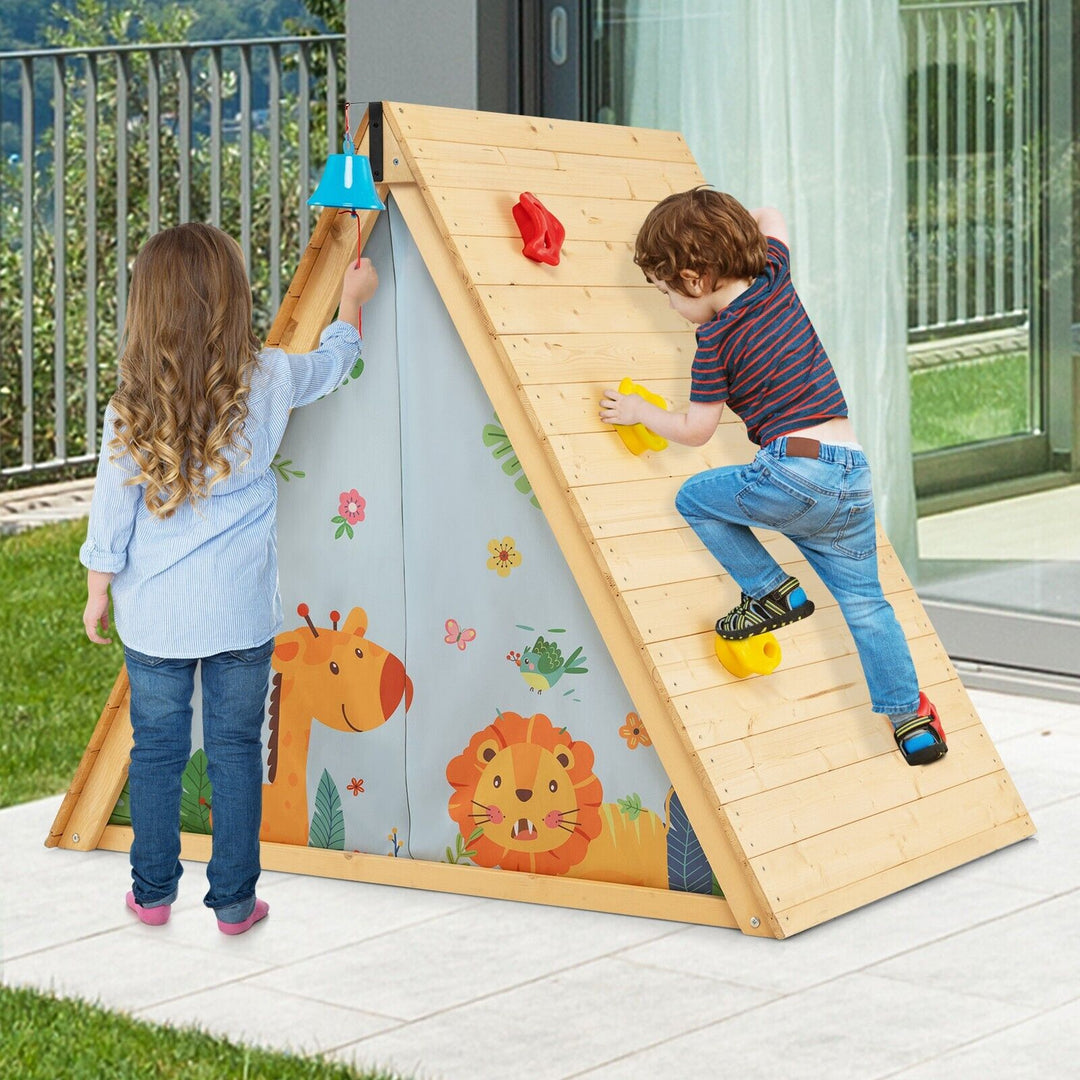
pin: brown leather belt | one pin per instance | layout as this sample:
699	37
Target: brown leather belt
797	446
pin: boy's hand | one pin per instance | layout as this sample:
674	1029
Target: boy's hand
616	408
357	287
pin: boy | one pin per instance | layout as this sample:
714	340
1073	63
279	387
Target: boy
726	269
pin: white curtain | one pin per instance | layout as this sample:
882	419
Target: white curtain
798	104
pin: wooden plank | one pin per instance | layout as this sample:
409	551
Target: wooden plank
574	408
778	817
645	560
748	904
753	706
883	883
573	309
749	763
448	173
875	845
675	609
653	180
426	151
103	785
643	504
604	357
490	213
497	260
116	698
413	123
601	457
465	880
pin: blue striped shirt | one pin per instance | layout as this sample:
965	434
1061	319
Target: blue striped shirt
762	356
205	580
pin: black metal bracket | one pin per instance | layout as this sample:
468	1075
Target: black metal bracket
375	140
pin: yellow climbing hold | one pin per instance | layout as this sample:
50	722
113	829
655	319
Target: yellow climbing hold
637	437
757	655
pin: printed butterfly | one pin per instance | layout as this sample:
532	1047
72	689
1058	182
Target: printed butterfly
456	636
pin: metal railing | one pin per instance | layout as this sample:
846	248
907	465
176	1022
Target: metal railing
969	102
113	143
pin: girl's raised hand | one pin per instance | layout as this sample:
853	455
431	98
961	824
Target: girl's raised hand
359	282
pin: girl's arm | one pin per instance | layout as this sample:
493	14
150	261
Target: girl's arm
97	606
108	532
693	427
315	374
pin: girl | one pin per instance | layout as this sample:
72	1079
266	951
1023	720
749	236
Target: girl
183	527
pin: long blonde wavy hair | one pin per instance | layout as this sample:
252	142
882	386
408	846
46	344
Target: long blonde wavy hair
186	366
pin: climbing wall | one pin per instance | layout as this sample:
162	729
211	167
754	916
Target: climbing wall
794	786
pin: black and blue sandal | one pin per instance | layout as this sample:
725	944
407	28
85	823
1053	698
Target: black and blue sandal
922	738
786	604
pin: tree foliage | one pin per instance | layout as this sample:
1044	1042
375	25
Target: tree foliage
100	22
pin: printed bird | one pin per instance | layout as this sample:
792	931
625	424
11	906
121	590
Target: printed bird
542	666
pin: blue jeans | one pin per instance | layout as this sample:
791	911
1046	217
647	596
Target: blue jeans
825	506
233	697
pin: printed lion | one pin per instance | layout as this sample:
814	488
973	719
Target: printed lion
532	789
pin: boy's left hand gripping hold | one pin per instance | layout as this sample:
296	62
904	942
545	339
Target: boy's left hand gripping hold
622	408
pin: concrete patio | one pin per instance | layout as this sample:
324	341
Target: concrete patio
972	974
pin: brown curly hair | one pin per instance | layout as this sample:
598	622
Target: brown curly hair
186	366
704	231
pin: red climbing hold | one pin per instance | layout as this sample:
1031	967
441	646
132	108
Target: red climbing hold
541	230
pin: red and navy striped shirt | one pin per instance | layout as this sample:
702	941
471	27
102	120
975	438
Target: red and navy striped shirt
762	356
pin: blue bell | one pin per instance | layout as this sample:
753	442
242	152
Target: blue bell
347	183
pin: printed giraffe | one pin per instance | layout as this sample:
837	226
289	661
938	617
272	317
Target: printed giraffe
337	677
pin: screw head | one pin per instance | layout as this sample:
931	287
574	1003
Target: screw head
755	922
74	837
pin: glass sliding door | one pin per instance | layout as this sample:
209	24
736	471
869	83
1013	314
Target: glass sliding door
1000	506
975	376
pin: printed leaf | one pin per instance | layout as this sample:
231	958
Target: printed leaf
283	470
631	806
196	796
495	436
327	822
340	531
688	869
121	814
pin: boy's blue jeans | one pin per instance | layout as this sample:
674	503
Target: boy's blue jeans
826	507
233	697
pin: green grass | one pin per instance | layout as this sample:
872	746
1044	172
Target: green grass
55	681
961	403
44	1038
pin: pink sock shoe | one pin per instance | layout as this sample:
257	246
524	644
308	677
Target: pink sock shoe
262	909
152	916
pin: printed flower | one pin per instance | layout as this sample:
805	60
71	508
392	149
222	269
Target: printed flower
351	507
503	556
350	512
356	786
633	731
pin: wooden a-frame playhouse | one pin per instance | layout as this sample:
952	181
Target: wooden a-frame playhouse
793	787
